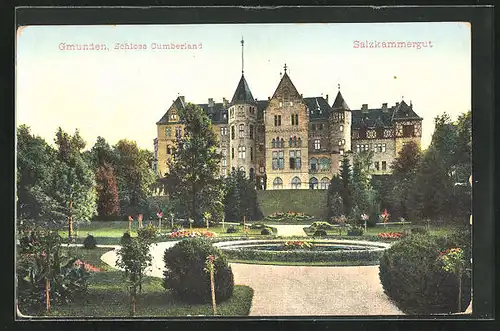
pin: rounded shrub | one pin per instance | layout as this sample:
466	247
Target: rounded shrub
90	242
412	276
319	233
232	229
185	274
266	232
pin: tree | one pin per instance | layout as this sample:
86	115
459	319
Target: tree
107	191
134	257
362	191
35	161
404	168
102	153
345	176
334	199
193	177
240	197
135	177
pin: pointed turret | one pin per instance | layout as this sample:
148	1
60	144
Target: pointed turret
286	89
340	103
242	95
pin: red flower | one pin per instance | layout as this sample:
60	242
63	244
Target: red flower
159	214
130	218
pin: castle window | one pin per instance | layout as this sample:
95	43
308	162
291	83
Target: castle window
290	142
377	165
313	183
294	141
178	132
291	103
324	163
296	119
168	132
384	165
299	142
317	144
169	150
241	152
232	153
224	152
277	183
251	153
383	148
275	120
281	160
313	163
281	104
295	160
241	133
274	143
296	183
282	143
224	116
341	151
341	128
275	160
232	132
224	162
252	174
251	132
325	182
223	131
279	120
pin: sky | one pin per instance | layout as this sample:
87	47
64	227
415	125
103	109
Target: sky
118	93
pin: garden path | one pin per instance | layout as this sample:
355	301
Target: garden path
299	290
289	230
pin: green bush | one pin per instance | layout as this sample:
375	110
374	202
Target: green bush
411	275
266	232
90	242
355	231
185	274
419	230
321	226
319	233
232	229
257	226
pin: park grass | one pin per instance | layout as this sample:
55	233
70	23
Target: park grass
108	296
374	231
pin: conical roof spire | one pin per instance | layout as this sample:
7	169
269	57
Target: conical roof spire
339	102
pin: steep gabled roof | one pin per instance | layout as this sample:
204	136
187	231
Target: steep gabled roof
242	93
216	112
286	89
339	103
403	111
318	108
177	105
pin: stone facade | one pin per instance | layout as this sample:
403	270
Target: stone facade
294	142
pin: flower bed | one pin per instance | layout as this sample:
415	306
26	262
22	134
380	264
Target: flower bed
390	235
87	266
289	245
190	234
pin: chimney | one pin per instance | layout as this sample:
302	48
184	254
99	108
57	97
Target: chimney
327	98
211	102
364	107
225	102
384	106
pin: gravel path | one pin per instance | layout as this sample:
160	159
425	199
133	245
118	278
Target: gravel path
294	290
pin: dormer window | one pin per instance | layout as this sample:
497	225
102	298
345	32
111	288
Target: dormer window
281	104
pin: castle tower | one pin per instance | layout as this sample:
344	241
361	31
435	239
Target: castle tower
286	138
340	122
242	124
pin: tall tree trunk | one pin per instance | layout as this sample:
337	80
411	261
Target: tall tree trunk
140	282
212	286
193	211
133	299
47	294
460	291
70	220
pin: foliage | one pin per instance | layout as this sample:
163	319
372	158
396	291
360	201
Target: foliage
193	180
41	262
107	191
240	197
412	277
184	272
90	242
191	234
266	232
290	245
289	217
419	230
345	176
321	226
309	202
319	233
232	229
355	231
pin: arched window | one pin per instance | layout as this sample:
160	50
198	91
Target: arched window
242	169
232	132
282	143
313	164
295	182
299	142
325	182
252	174
324	163
290	142
274	143
295	141
278	183
313	183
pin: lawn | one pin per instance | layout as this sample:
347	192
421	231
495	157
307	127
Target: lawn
434	230
108	296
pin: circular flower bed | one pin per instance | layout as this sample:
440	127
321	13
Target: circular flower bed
343	252
391	235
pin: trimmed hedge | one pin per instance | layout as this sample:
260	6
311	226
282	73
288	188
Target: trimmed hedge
266	232
411	275
185	274
370	256
90	242
310	202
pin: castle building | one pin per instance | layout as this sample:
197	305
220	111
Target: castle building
290	141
